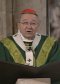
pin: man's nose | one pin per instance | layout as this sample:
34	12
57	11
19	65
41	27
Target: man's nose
29	25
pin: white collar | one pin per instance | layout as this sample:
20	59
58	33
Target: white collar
19	41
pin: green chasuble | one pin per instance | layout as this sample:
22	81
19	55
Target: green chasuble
47	50
14	53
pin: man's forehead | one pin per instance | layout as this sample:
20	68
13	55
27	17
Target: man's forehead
26	17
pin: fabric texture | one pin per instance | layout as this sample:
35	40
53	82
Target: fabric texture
51	55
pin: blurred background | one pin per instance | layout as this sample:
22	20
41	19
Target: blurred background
54	18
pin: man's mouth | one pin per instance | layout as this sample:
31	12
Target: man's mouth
28	31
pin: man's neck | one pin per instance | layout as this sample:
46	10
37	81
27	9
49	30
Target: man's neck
25	39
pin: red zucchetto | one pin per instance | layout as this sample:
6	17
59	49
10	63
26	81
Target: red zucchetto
29	11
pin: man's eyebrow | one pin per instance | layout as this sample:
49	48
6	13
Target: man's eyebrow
27	19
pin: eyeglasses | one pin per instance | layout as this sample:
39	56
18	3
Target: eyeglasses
25	23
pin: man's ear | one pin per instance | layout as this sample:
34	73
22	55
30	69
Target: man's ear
38	27
39	22
18	25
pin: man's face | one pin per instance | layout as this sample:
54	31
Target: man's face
28	25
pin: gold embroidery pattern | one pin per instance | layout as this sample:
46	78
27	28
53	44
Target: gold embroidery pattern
43	55
15	53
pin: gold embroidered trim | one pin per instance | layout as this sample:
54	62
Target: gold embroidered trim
43	55
15	53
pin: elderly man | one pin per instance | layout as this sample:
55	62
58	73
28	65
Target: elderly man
27	46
